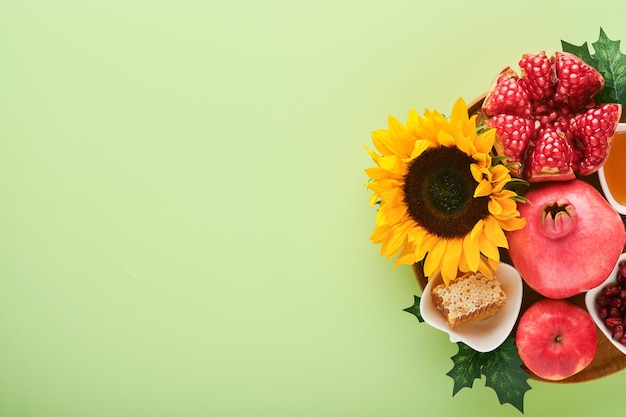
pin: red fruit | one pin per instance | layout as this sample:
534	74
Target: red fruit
612	322
571	241
547	120
556	339
576	82
550	157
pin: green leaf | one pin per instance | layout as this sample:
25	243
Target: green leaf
415	309
503	372
612	65
501	368
467	366
581	51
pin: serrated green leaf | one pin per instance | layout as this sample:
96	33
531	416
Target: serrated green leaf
415	309
503	373
466	369
581	52
501	368
612	65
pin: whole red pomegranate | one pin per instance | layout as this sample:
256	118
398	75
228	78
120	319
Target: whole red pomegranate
571	241
547	119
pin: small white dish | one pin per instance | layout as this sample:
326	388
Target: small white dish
483	335
621	209
592	308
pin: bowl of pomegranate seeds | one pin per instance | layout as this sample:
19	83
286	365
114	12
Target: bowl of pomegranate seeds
607	305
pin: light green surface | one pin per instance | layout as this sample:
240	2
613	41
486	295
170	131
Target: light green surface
183	226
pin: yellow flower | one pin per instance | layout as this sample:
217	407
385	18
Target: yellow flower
441	199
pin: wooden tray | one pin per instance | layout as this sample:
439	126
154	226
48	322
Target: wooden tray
608	359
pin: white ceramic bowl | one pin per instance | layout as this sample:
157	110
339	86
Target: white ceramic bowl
621	209
590	303
484	335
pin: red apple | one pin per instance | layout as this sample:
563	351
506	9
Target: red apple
556	339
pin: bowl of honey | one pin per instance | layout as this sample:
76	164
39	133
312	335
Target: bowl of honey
612	174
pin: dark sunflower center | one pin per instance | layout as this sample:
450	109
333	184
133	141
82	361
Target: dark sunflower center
449	191
439	189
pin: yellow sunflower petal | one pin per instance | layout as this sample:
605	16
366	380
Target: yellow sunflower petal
407	256
485	268
494	206
483	189
487	247
494	232
450	262
380	233
459	110
395	240
471	252
381	140
446	139
434	257
485	141
396	128
420	146
425	245
514	223
423	240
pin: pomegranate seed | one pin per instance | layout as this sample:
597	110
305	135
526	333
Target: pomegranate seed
614	312
612	322
602	301
622	340
622	268
622	294
603	312
615	302
618	332
610	290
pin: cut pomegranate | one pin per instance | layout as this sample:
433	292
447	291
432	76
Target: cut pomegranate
547	120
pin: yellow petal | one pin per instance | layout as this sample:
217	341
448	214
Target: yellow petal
424	244
477	172
485	141
477	229
396	129
464	144
450	262
380	233
407	256
445	139
420	146
514	223
471	252
485	268
392	166
381	140
494	206
494	232
483	189
459	110
487	247
395	240
434	257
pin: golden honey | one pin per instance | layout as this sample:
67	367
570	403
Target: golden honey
615	168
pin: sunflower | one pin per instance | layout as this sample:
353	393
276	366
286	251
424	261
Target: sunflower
443	198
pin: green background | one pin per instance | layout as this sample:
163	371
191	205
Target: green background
184	229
